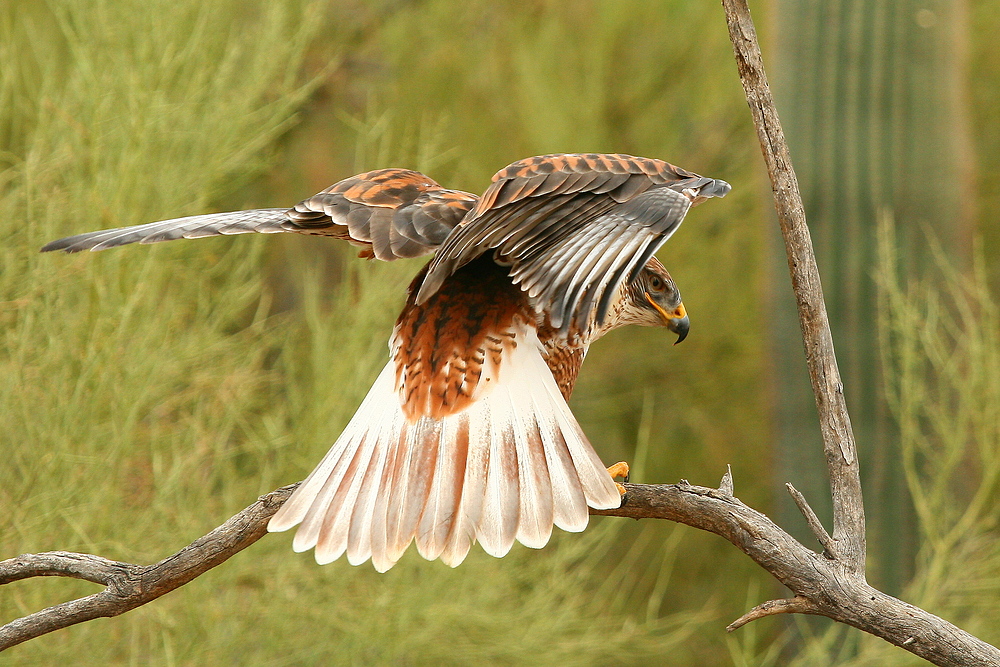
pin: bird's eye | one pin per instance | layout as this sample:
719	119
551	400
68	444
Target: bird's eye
656	283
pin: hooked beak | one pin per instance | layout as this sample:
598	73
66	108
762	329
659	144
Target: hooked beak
677	321
680	326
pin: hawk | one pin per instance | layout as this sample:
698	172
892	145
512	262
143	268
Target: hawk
466	435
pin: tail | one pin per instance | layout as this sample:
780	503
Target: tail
510	466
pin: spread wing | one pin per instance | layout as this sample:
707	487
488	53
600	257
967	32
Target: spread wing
573	228
392	213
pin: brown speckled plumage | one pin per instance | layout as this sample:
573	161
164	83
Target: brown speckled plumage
441	347
563	360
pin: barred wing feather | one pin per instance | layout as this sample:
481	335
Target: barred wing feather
573	228
392	213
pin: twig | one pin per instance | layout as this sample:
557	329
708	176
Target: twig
61	564
834	590
846	549
795	605
726	485
814	523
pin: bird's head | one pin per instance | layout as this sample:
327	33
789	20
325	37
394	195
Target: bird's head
652	299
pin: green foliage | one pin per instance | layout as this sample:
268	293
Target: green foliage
112	366
942	343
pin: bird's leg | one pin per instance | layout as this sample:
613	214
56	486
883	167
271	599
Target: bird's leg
619	469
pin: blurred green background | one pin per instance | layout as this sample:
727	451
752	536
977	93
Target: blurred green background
148	393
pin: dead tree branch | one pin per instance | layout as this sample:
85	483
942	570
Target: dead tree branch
835	424
128	586
822	585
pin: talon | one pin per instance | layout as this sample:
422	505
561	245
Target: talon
619	469
621	489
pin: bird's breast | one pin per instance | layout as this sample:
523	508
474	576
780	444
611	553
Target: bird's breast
451	349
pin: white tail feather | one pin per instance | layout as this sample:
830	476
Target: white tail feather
535	525
510	466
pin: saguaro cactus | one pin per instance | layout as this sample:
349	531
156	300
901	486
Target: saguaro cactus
871	97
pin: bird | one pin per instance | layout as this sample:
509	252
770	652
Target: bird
466	435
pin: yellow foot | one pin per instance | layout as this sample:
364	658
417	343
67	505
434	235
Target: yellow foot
619	469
